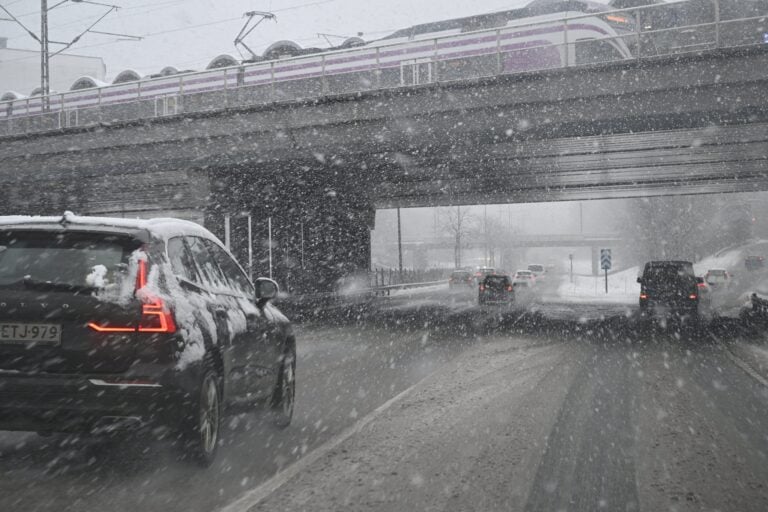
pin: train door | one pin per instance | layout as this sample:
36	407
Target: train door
166	106
69	118
416	71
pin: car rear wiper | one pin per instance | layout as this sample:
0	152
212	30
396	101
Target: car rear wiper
35	284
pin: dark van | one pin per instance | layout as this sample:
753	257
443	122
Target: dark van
672	287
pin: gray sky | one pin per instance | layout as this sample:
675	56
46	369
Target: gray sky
190	33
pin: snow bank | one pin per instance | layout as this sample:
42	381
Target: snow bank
622	288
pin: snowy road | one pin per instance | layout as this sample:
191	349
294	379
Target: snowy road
453	409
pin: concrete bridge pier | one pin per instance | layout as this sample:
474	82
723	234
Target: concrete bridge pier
319	234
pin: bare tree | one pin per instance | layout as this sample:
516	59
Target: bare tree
460	224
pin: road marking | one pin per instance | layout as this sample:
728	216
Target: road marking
256	495
747	369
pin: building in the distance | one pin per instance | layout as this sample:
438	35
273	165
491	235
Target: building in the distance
20	69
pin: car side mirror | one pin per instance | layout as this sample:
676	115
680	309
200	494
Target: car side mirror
640	280
266	290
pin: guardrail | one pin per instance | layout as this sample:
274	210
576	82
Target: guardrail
373	291
381	65
385	290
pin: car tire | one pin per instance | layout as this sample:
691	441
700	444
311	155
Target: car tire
204	424
284	395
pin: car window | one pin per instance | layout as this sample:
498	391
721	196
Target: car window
182	263
212	276
76	259
232	271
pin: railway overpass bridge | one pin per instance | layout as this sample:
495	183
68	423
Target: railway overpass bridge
681	124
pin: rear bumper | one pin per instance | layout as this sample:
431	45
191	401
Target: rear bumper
674	307
77	403
496	299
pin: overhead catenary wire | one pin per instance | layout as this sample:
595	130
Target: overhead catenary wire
189	27
44	39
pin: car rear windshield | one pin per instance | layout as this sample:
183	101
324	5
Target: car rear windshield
668	272
461	275
536	268
496	281
77	259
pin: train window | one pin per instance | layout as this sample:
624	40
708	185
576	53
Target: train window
591	51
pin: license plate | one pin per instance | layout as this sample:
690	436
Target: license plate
48	334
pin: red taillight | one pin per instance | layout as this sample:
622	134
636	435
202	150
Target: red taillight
701	285
509	288
141	275
693	296
99	328
482	288
643	296
155	316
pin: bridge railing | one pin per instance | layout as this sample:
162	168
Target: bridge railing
625	34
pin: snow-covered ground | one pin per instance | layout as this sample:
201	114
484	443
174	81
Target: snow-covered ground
622	288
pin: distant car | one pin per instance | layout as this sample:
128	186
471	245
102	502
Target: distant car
718	278
754	263
496	289
672	287
461	279
482	272
524	277
110	324
537	269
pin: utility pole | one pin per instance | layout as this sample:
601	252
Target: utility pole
458	237
485	232
399	245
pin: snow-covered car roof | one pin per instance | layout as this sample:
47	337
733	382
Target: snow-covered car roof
161	227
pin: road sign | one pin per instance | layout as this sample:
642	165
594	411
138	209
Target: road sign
605	263
605	259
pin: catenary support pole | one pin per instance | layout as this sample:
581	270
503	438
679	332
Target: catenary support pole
399	245
269	241
250	247
44	55
227	231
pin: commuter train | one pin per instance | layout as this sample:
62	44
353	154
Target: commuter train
543	35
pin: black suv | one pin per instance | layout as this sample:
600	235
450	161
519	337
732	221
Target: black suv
671	286
108	324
